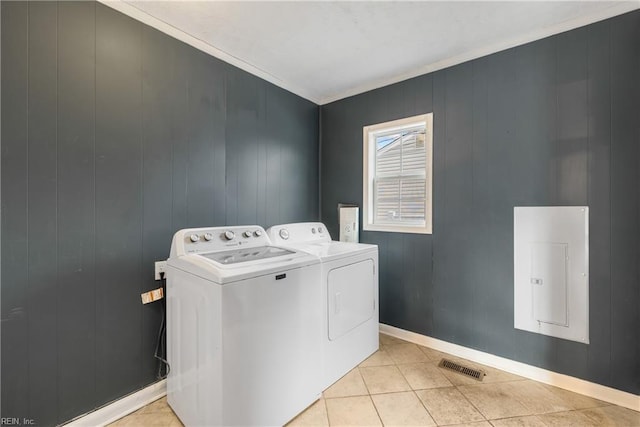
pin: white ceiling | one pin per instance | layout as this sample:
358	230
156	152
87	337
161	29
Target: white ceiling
328	50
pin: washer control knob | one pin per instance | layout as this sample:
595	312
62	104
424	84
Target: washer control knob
247	233
320	230
257	233
229	235
194	238
284	233
208	237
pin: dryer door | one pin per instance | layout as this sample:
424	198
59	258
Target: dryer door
351	299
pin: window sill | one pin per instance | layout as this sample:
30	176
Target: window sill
397	229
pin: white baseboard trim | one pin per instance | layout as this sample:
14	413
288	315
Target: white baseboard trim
597	391
121	407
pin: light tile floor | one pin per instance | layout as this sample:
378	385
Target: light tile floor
401	385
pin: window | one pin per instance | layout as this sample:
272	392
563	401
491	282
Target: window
397	175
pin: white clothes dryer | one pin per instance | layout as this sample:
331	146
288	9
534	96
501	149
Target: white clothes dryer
243	328
349	280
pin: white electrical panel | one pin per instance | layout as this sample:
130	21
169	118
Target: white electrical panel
551	271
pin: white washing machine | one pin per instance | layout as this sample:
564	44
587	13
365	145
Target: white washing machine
349	280
243	328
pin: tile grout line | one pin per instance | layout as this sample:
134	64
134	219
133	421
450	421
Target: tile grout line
425	408
414	391
363	381
471	403
326	410
375	408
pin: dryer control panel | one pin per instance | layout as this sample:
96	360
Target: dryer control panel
301	232
209	239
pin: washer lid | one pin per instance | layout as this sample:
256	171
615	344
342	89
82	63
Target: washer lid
236	256
275	260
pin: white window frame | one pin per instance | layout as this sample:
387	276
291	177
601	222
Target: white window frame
369	161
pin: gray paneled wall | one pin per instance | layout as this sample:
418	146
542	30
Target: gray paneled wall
114	136
554	122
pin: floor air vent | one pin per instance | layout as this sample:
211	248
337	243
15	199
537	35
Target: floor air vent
456	367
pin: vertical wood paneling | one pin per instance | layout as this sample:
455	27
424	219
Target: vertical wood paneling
310	137
423	94
118	203
305	144
535	100
180	138
162	82
455	250
379	239
599	201
290	159
503	164
418	292
262	144
479	202
273	167
280	136
15	191
637	288
393	290
221	99
625	97
439	182
43	210
330	121
76	209
242	143
571	161
203	108
289	143
288	121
